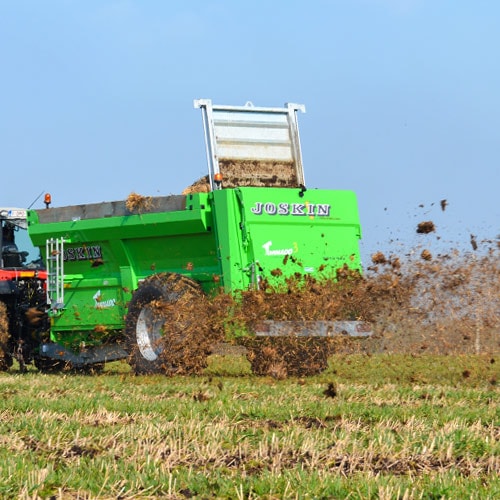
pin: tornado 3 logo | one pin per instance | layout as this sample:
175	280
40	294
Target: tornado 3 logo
102	304
283	251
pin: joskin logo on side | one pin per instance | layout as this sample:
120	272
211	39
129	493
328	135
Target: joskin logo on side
307	209
83	253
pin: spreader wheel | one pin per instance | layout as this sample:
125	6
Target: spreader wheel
161	327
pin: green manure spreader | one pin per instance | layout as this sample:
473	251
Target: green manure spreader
251	221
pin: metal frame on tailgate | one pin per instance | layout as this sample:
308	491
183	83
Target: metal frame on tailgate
251	133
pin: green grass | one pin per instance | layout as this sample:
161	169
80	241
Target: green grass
395	427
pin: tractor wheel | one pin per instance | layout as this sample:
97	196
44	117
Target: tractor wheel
162	331
49	365
5	356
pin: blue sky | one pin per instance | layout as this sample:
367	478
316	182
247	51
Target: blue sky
402	99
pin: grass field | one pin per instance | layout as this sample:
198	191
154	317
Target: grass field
381	426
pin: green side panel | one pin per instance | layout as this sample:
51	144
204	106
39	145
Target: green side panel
106	257
231	237
274	233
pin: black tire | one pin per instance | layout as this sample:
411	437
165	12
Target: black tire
49	365
152	337
5	355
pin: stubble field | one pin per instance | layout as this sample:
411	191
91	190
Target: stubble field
382	426
411	413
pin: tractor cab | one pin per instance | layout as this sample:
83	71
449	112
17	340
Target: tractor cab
16	249
22	290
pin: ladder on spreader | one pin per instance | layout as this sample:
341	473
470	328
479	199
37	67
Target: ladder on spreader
55	273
